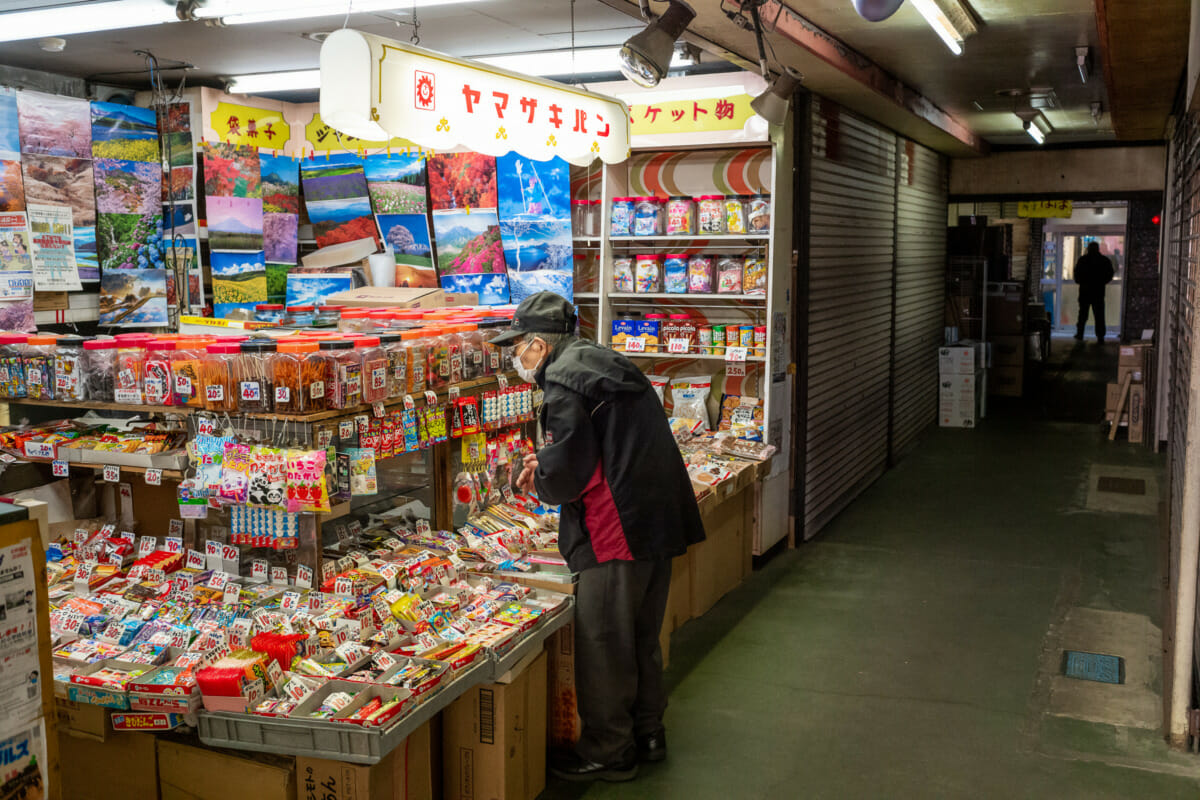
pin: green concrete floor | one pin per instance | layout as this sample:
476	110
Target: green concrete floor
903	652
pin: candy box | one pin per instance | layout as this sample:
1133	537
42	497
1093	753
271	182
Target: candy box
647	329
390	702
104	683
622	329
146	721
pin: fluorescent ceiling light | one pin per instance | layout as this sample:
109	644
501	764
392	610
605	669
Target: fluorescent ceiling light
84	18
234	12
941	24
268	82
1035	132
558	62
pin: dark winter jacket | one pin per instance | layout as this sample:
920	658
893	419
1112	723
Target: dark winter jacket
611	461
1092	272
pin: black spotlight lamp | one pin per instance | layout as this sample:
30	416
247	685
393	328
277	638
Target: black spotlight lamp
646	56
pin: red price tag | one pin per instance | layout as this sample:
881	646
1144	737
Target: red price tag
635	344
279	576
112	473
60	469
678	346
173	544
229	552
154	477
343	586
283	394
259	569
214	392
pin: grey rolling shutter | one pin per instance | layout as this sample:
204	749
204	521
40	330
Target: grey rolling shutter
920	292
851	247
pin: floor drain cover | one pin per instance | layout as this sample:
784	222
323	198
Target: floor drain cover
1108	483
1093	667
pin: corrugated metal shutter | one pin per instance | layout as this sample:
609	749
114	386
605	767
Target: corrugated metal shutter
1183	265
920	292
851	238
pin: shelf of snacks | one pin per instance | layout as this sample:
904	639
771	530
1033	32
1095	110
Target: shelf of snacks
689	297
700	239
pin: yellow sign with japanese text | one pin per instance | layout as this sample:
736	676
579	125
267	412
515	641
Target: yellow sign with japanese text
1042	209
246	125
691	116
324	139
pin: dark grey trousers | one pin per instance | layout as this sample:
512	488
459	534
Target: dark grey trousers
618	662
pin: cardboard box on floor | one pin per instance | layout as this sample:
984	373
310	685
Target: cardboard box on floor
1137	413
716	563
494	740
82	720
1006	309
193	772
404	774
124	765
1134	354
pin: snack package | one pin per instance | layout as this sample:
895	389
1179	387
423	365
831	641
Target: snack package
742	416
689	397
235	473
268	477
659	382
622	274
306	488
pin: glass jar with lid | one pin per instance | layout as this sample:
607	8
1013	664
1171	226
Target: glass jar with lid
157	378
374	369
39	367
344	388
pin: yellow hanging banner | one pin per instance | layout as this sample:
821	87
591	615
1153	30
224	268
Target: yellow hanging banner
324	139
691	116
247	125
1043	209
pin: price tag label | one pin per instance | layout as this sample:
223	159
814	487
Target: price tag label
343	585
212	548
678	346
127	536
274	673
377	409
735	361
214	392
345	429
426	641
431	398
183	385
206	426
59	469
289	600
409	403
259	569
195	559
80	536
233	594
635	344
39	450
502	380
304	576
328	570
174	544
230	553
363	423
279	576
342	532
251	391
324	438
112	473
175	528
218	580
422	526
146	545
154	477
384	660
316	390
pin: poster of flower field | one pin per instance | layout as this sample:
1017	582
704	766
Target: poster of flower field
129	241
396	183
239	282
468	244
126	133
127	187
231	171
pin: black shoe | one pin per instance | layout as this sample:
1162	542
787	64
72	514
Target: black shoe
580	770
1079	337
652	747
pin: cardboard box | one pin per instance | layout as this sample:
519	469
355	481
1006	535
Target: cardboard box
960	400
715	565
1136	374
1137	413
186	772
563	723
124	765
494	740
1008	351
83	720
399	297
1006	381
1005	309
959	360
1134	355
403	774
1112	396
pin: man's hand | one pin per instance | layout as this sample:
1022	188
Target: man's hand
525	479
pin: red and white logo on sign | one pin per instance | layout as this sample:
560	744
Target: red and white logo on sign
424	96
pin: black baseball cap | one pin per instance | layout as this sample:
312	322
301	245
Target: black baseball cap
544	312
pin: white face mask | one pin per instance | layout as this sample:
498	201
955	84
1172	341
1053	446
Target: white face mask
527	373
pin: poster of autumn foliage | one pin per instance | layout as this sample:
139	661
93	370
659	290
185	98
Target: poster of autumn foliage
231	171
12	189
461	181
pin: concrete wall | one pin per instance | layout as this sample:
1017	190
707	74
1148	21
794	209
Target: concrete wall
1032	173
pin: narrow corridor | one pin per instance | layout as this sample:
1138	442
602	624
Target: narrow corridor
912	649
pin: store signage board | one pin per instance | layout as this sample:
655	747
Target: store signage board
249	125
375	88
1044	209
321	138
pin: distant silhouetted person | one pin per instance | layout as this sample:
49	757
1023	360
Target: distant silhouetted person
1092	272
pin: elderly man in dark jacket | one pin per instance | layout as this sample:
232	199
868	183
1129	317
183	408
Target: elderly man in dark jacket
627	509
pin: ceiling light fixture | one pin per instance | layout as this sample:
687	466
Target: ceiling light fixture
1083	60
271	82
772	105
877	10
949	20
234	12
556	62
80	18
1034	124
646	56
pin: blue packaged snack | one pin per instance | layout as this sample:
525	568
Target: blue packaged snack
675	274
622	216
647	217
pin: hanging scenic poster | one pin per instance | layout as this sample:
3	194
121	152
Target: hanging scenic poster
12	188
396	183
10	137
239	282
462	181
61	181
408	236
335	196
134	298
125	133
231	171
535	225
52	125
